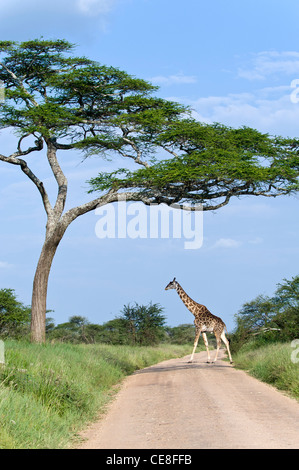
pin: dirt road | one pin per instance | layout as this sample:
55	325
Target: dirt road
176	405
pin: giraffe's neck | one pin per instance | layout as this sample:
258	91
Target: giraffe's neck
190	303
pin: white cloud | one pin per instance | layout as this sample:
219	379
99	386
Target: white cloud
231	243
177	79
4	265
95	7
268	63
227	243
273	108
269	109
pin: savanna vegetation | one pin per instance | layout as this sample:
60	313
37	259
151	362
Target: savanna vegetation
276	364
267	319
56	102
135	325
266	339
49	392
45	399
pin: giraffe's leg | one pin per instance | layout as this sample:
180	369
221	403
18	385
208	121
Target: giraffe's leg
206	345
197	335
226	342
218	339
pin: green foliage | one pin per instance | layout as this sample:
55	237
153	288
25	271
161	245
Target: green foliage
287	307
271	363
140	325
14	316
144	324
269	319
210	162
113	332
181	334
50	392
71	331
136	325
51	94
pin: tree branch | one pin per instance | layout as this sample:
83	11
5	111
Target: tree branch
24	167
59	176
38	146
111	196
21	85
137	159
172	152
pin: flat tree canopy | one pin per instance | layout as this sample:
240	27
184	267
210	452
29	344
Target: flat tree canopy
55	102
210	164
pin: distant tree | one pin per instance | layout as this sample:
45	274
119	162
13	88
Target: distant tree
256	314
287	293
50	325
181	334
114	332
286	300
93	333
14	316
270	318
144	323
72	331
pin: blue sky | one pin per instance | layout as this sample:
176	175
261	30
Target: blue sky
233	62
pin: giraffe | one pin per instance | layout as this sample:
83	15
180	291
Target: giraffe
204	321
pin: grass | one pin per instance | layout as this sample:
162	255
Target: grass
48	393
273	364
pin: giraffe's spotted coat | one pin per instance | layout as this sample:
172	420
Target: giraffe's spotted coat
204	321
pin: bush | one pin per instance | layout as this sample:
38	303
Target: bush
14	316
269	319
49	392
272	364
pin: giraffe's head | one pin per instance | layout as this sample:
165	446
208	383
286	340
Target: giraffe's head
172	285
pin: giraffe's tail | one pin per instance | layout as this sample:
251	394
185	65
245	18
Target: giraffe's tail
226	333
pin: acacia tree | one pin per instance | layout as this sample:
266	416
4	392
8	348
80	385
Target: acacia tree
144	324
270	318
210	164
56	102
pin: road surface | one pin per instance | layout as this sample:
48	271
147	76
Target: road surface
177	405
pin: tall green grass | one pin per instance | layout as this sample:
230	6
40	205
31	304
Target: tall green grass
49	392
272	364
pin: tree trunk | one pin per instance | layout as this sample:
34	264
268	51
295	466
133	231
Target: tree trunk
56	227
39	292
